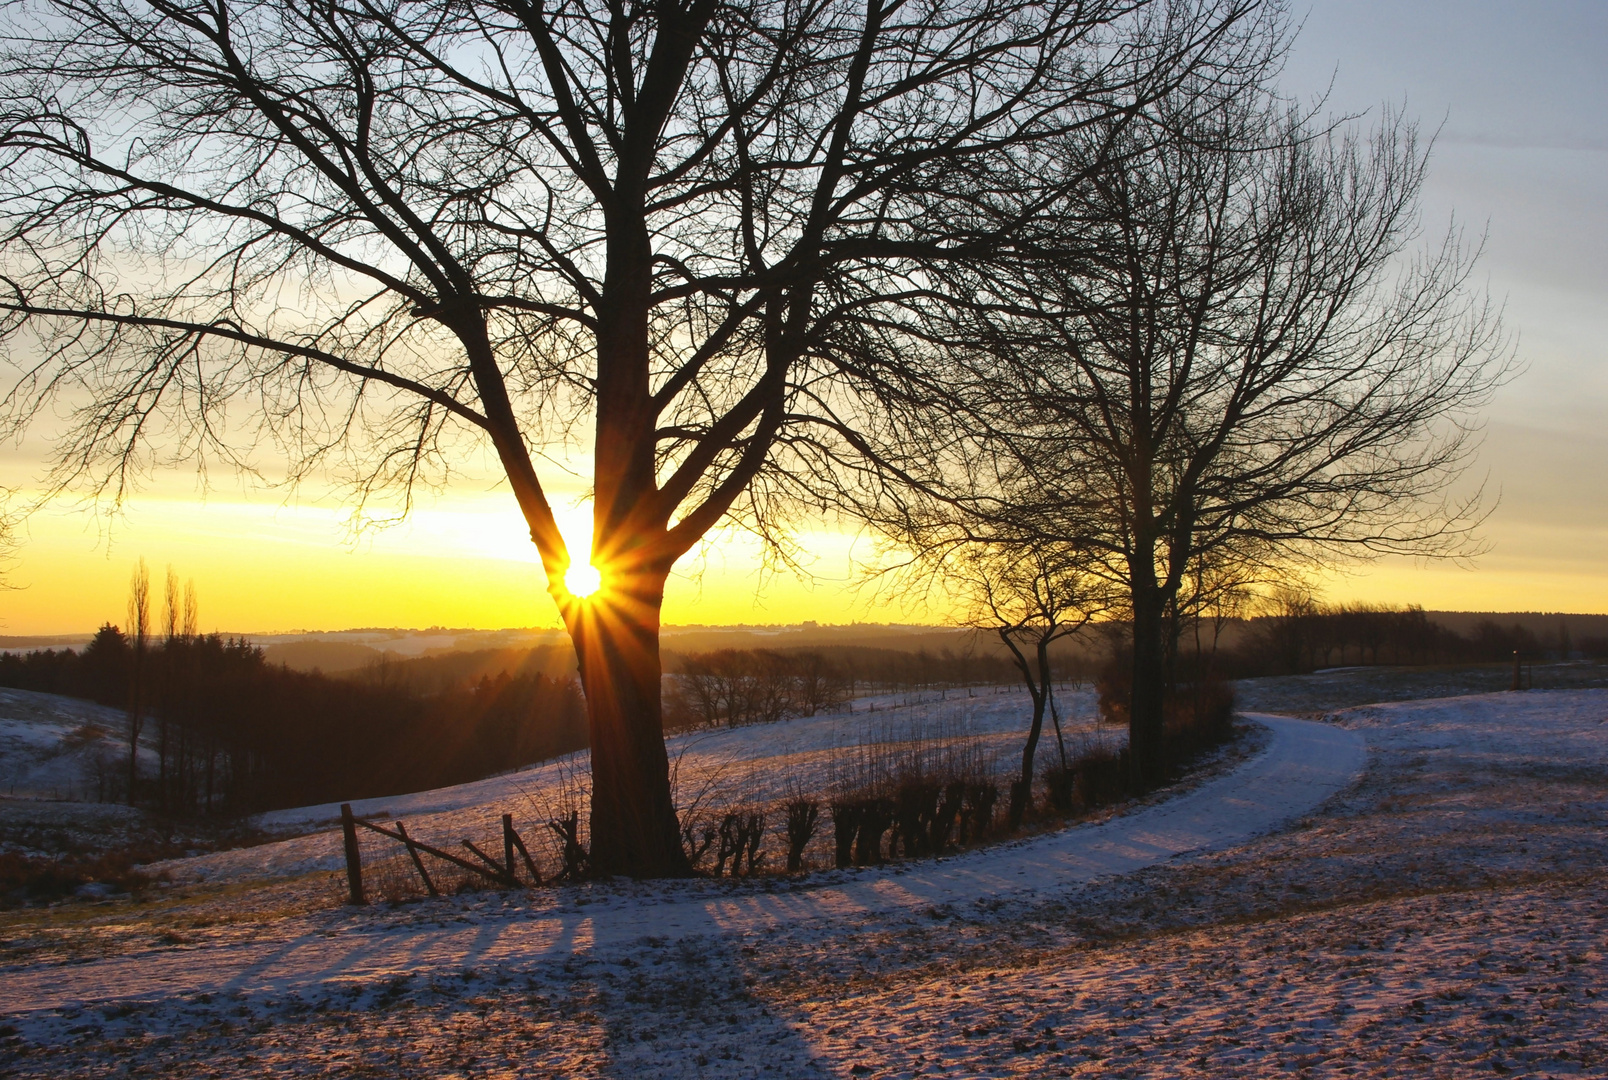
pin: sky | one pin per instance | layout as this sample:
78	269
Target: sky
1515	94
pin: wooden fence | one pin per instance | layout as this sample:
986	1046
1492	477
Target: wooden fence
504	873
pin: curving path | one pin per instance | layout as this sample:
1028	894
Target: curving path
1302	765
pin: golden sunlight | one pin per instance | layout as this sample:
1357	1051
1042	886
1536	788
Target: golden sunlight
583	579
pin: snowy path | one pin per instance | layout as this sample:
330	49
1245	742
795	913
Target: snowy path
1302	765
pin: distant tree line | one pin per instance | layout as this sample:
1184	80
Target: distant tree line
1296	635
234	734
733	687
1301	635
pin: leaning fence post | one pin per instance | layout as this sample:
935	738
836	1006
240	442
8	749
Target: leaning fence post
354	856
418	863
508	846
530	864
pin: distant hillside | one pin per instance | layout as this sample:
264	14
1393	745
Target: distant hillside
25	643
329	657
445	671
1543	624
345	651
934	639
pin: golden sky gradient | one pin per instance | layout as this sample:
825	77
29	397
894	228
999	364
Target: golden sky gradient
1513	93
260	566
460	561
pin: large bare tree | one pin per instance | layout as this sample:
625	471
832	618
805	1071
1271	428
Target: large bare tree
388	230
1247	364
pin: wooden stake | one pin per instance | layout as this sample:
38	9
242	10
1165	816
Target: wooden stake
497	872
530	864
354	856
494	873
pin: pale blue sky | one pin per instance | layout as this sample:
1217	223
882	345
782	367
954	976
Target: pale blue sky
1519	95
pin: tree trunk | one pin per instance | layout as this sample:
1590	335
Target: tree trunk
634	829
136	724
1022	787
1055	718
1147	701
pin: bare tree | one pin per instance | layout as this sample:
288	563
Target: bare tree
139	641
171	621
967	540
390	230
1245	365
1031	594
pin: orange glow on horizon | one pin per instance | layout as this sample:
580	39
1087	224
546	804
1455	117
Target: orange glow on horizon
466	561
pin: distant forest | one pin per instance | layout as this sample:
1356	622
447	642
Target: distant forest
233	734
1305	636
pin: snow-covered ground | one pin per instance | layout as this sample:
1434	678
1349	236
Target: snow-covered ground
1442	915
55	747
713	769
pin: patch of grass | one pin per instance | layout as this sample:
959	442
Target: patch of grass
26	880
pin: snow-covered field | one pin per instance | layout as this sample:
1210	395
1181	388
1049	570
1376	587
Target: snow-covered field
54	747
717	768
1407	889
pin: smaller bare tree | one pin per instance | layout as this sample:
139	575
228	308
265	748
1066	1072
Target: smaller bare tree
1245	364
1030	593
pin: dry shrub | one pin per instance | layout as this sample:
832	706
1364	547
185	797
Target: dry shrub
803	817
926	794
394	879
25	879
1095	776
1198	715
697	837
566	836
572	854
740	834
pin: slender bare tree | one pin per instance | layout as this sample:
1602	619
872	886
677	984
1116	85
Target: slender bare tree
1031	594
139	641
389	230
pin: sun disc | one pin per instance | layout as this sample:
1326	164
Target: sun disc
582	579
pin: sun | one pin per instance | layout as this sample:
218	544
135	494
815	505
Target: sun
582	579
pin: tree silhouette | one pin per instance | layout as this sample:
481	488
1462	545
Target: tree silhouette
1244	368
388	231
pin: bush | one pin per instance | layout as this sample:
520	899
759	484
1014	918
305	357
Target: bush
740	835
25	879
926	794
1197	714
1094	777
803	815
